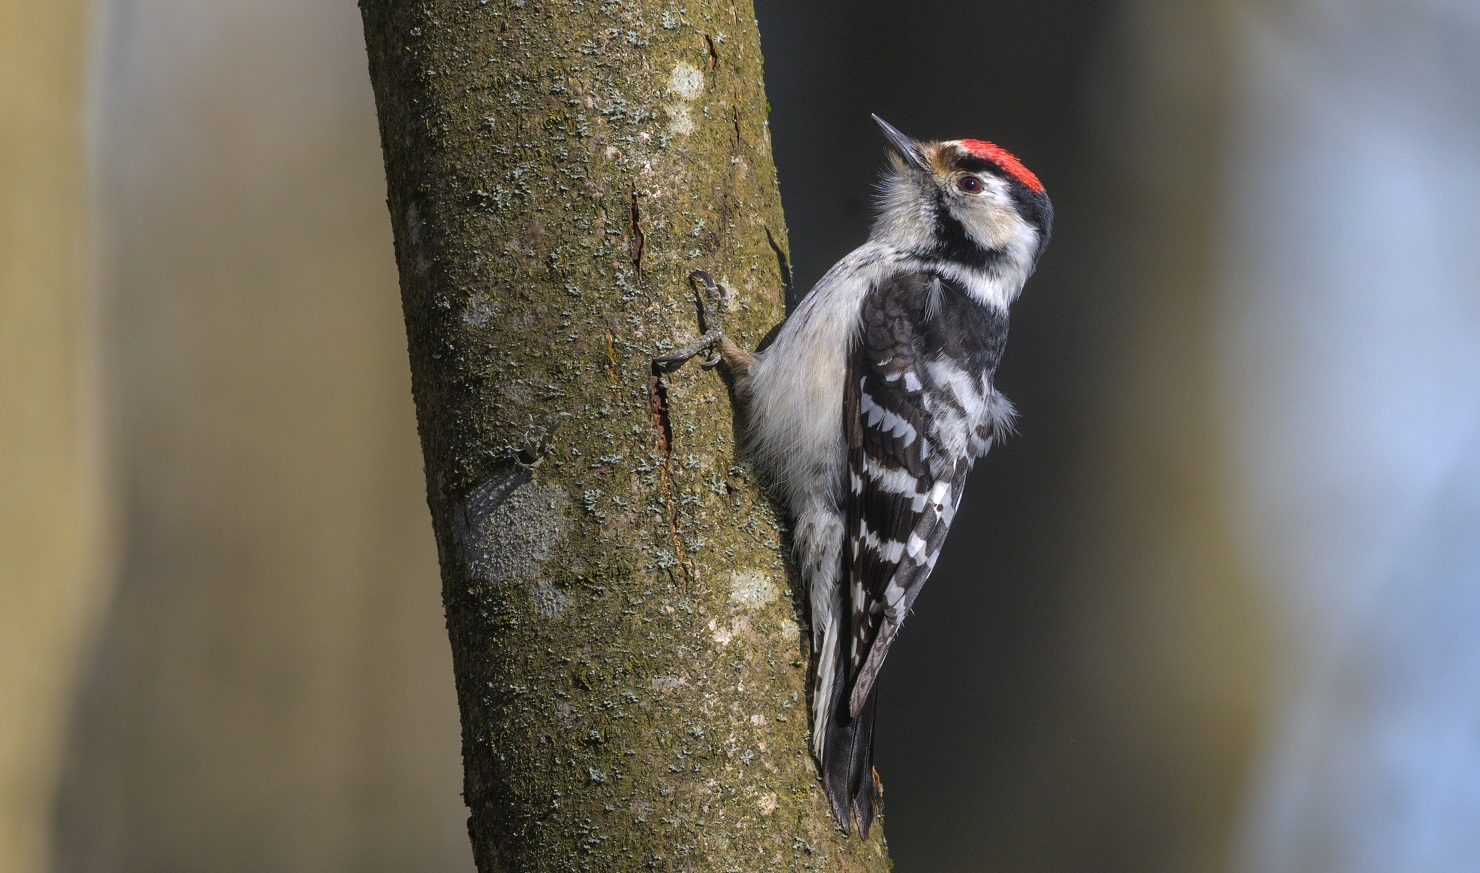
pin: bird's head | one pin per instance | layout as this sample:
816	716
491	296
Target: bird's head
965	203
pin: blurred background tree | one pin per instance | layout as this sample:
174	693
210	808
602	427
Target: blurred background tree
51	483
1214	609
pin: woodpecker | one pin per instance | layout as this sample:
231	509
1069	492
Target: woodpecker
865	414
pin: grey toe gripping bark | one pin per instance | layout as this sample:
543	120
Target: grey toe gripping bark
713	300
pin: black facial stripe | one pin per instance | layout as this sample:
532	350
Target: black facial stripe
954	245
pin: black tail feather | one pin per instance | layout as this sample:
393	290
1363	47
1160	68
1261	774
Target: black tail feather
866	794
848	772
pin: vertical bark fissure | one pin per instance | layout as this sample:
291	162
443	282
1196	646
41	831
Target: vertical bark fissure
635	222
630	663
713	52
658	399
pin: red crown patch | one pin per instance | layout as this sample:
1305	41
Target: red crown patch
1004	159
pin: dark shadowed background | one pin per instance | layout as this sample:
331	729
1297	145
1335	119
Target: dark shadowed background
1214	609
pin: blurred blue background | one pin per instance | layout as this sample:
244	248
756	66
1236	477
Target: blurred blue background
1217	608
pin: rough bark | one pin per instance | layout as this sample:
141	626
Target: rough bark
629	652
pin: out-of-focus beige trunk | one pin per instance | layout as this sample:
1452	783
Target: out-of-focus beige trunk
270	686
49	472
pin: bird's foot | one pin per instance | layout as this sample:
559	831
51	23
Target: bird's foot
713	301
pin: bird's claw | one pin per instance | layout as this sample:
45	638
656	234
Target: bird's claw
668	363
713	301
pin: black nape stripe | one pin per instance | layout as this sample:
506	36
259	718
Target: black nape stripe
1036	210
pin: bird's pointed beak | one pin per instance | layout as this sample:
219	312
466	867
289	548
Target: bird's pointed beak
907	148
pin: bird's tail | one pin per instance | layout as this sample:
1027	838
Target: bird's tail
848	760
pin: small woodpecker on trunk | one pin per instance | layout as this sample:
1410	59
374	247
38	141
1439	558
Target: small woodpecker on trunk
869	409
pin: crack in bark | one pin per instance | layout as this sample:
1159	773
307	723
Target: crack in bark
658	405
639	239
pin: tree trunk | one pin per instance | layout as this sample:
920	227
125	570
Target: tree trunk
629	651
53	515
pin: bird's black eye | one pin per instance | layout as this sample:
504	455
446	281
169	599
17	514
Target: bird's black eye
969	183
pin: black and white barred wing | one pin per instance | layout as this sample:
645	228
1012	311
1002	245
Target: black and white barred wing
903	483
924	405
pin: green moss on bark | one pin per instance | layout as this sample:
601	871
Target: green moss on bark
630	658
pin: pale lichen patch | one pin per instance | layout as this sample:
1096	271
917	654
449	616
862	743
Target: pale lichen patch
413	224
668	683
479	311
789	629
767	803
686	83
752	588
508	527
680	123
721	635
